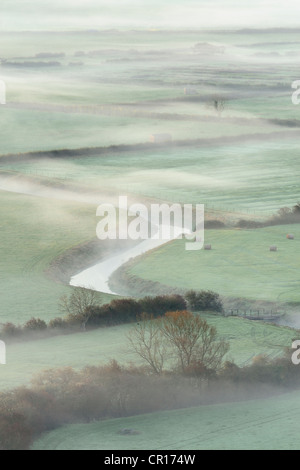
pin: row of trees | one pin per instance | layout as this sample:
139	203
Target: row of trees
81	306
63	396
81	312
285	215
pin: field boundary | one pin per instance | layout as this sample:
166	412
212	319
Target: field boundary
147	146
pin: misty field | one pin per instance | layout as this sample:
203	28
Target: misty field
34	232
230	177
239	265
247	339
225	98
139	78
268	424
26	130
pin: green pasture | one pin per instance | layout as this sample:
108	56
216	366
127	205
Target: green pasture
34	232
25	130
240	264
247	340
266	424
238	177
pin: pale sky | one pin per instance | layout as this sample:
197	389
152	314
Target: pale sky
103	14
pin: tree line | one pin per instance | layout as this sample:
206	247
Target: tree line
65	396
80	311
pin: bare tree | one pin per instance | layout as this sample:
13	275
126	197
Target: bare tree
79	305
182	329
194	340
180	335
146	341
210	351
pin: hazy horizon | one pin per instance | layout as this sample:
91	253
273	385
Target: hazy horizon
17	15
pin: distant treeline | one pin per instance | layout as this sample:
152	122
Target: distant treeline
284	216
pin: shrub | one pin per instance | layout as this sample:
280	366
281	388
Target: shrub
250	224
35	324
125	309
99	316
117	312
158	306
57	324
15	434
204	300
10	330
38	408
73	322
59	397
263	370
214	224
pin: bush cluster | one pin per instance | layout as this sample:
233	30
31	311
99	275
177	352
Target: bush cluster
117	312
64	396
284	216
204	300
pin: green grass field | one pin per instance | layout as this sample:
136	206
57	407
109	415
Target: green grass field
247	340
89	92
269	424
147	71
278	107
34	232
239	265
231	177
26	130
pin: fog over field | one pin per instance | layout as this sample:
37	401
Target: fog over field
115	341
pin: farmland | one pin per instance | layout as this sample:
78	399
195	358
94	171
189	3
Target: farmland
36	130
129	73
239	265
235	149
227	177
247	340
49	227
267	424
35	231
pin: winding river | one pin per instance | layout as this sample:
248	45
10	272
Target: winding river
97	277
